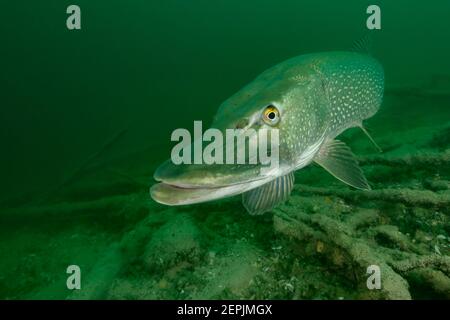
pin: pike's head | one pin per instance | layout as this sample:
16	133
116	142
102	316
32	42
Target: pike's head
281	105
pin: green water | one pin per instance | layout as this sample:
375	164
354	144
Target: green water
86	117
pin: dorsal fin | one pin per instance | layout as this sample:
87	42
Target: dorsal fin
363	44
335	157
266	197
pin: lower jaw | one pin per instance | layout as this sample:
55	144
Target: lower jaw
175	195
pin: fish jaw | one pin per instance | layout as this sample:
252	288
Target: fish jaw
189	184
174	195
207	175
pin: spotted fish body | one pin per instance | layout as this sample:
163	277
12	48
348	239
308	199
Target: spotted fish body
322	94
318	97
354	87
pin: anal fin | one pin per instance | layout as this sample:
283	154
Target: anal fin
266	197
337	158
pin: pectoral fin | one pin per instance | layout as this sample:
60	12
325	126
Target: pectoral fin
266	197
337	158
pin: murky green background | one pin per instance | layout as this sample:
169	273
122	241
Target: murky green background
86	116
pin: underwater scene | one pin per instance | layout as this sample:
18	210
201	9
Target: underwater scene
94	204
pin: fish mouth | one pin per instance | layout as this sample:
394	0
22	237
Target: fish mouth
191	186
178	193
189	183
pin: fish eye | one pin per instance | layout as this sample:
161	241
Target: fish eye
271	115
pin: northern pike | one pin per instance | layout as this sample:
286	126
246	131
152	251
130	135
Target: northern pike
310	99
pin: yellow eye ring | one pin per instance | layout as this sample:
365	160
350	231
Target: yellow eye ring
271	115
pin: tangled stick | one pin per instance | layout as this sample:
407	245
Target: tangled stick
318	227
417	160
118	205
421	198
358	236
415	262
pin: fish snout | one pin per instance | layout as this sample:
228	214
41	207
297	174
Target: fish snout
177	175
205	175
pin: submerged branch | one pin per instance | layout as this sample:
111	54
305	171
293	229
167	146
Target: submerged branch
338	242
108	205
416	262
407	196
429	159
